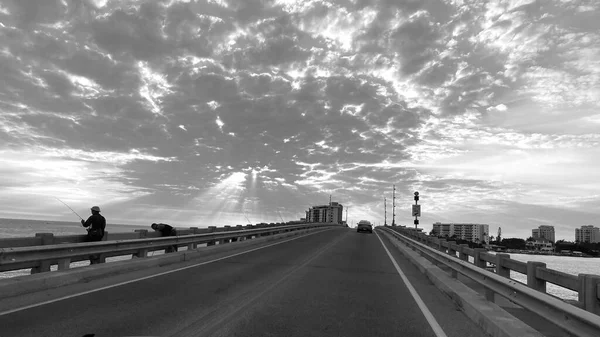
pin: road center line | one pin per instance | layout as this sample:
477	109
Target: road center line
437	329
211	328
3	313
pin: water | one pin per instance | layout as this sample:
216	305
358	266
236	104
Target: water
11	228
566	264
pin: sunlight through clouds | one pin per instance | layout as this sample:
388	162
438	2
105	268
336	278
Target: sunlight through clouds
220	112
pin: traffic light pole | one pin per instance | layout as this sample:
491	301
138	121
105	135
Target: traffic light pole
416	210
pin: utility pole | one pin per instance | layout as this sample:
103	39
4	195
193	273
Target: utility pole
394	206
384	211
347	214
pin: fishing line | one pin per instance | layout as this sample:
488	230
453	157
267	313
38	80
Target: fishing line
69	208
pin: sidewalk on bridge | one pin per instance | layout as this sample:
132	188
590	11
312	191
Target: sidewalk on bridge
539	323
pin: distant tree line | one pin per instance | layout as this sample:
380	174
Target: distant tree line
592	249
584	247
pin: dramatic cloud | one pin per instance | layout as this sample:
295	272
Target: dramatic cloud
228	111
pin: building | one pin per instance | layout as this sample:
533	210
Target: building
464	231
541	244
589	234
325	213
543	232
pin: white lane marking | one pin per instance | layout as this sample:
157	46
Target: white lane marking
437	329
151	276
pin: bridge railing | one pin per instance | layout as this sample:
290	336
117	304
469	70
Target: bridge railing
49	238
573	319
40	257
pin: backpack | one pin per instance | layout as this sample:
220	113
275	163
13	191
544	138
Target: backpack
96	234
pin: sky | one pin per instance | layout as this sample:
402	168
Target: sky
217	112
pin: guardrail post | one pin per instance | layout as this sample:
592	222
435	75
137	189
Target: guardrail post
489	295
44	266
224	241
64	264
477	258
239	228
211	229
589	292
451	249
140	253
192	246
249	237
142	234
441	245
500	269
461	252
532	280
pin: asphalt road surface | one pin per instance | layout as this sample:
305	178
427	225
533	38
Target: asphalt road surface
335	283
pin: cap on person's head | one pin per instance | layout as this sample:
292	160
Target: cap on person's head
95	208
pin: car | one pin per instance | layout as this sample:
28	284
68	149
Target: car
364	226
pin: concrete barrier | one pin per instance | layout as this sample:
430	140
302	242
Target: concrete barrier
22	285
489	316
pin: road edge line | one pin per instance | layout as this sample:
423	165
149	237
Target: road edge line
435	326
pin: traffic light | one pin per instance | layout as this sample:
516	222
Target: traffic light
416	196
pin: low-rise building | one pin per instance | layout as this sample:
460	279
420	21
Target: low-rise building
540	244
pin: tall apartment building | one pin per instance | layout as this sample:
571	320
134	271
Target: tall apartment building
588	234
464	231
543	232
326	213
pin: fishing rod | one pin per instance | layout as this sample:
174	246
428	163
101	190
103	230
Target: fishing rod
69	208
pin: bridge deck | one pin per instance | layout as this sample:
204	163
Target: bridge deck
335	283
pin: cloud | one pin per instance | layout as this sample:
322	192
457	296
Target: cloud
205	112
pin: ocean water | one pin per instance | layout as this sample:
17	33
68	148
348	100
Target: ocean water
566	264
10	228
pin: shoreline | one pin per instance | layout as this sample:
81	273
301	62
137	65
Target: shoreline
524	252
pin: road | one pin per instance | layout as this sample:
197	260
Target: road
335	283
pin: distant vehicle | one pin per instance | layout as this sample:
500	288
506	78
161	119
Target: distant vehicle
364	226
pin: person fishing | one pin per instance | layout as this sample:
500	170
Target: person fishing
95	225
166	230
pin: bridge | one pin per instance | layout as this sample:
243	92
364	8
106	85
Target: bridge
282	280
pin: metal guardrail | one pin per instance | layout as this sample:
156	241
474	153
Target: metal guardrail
45	238
570	318
40	258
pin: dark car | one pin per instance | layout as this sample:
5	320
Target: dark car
364	226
